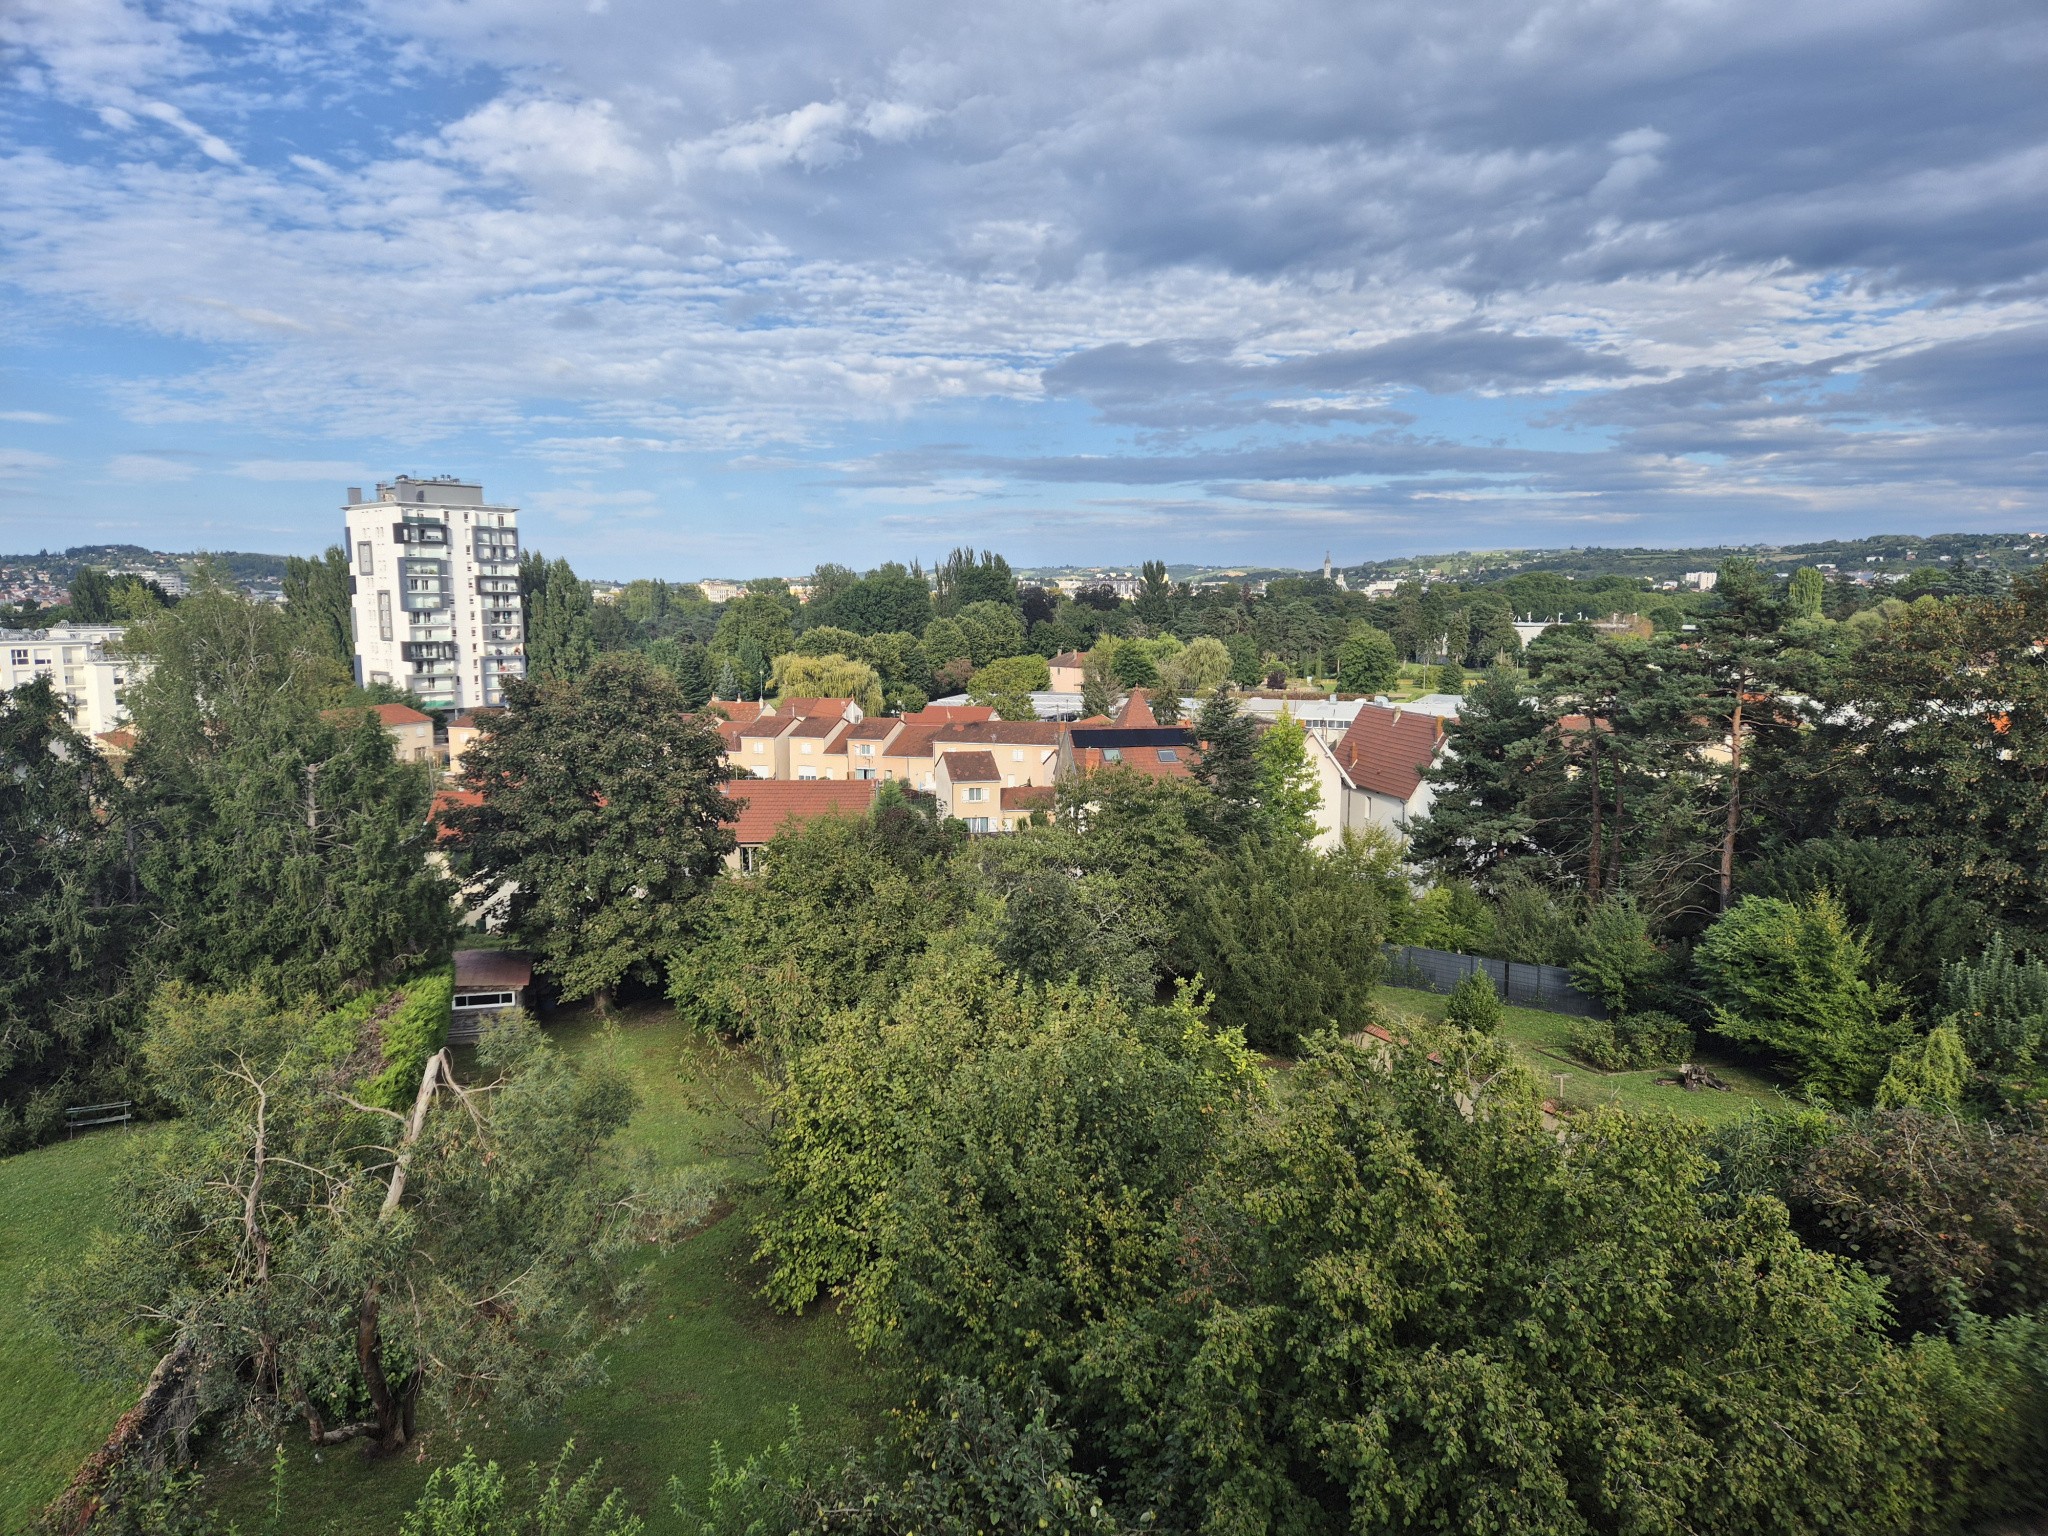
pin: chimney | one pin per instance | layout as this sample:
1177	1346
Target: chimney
355	495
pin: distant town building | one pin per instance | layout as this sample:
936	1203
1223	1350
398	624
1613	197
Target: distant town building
436	604
1702	581
91	682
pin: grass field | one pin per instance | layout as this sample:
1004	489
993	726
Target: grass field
51	1201
704	1361
1539	1042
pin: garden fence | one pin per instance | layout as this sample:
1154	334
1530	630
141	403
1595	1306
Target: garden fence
1521	982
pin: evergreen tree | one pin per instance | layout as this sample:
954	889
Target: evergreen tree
603	805
1288	794
1099	685
1480	825
560	637
1227	766
317	600
1807	594
70	910
92	596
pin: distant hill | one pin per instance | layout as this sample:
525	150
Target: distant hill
242	566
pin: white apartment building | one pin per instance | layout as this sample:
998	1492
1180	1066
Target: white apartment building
92	683
435	574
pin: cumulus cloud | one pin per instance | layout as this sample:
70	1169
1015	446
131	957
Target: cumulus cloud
1726	253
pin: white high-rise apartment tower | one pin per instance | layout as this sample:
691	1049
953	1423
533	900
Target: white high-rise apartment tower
436	591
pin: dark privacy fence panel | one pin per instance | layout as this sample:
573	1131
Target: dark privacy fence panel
1521	982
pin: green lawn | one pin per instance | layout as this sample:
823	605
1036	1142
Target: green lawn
1539	1042
52	1200
704	1361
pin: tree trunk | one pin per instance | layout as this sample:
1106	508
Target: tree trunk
370	1361
1595	857
1734	803
140	1431
1620	820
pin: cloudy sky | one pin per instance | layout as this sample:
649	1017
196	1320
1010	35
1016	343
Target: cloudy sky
721	288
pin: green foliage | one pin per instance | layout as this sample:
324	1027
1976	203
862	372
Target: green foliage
1197	670
754	629
317	599
1617	960
1947	1210
1532	924
1449	678
795	675
1808	590
1008	683
1916	916
1999	1003
1794	980
1480	821
991	630
278	844
1368	661
963	1465
472	1498
69	920
838	914
1288	794
1287	940
411	1031
1099	684
603	804
1227	766
1474	1004
560	637
1396	1295
963	579
1630	1041
886	600
1929	1073
92	596
309	1260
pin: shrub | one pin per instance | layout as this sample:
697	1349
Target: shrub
1474	1004
1631	1041
1794	980
1617	961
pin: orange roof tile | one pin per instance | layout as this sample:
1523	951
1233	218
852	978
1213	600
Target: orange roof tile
951	714
766	805
1385	750
971	767
1136	713
1027	797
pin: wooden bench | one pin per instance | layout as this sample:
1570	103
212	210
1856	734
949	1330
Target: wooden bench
86	1116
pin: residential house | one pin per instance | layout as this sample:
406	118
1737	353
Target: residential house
83	664
865	744
810	709
816	747
760	748
411	733
969	786
1066	671
463	732
1379	764
767	806
1021	803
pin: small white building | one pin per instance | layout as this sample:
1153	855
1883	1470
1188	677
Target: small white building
81	663
1372	776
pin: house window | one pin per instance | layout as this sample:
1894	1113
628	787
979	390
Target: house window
484	999
976	793
864	773
1112	754
18	658
977	823
865	749
1010	779
383	615
807	773
760	747
807	749
366	558
419	754
1009	824
1016	754
1168	755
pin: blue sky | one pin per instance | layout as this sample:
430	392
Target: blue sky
728	289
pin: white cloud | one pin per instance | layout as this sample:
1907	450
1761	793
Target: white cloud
31	418
149	469
18	463
543	140
331	471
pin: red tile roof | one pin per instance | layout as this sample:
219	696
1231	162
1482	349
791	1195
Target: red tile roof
767	804
446	800
1069	659
805	708
972	767
739	711
1145	760
1137	712
399	714
768	725
1004	733
951	714
818	725
916	741
492	970
874	728
1385	750
1028	797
